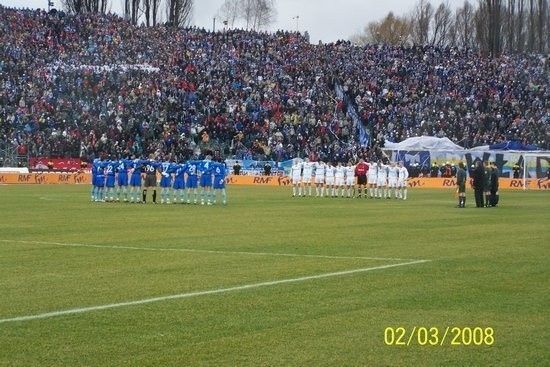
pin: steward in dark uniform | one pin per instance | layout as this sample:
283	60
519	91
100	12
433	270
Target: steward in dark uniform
267	169
478	184
494	184
487	183
236	168
517	171
434	170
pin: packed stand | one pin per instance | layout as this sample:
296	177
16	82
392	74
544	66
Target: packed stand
95	86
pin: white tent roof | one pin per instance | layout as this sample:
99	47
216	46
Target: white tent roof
424	143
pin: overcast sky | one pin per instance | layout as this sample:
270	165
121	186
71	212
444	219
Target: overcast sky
325	20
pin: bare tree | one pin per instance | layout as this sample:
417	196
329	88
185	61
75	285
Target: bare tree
264	14
256	14
489	26
442	22
542	25
532	26
391	30
151	10
230	11
179	12
422	18
464	25
85	6
247	11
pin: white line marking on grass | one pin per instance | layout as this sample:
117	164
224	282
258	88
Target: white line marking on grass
206	251
202	293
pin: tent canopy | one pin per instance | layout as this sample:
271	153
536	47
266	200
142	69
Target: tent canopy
423	143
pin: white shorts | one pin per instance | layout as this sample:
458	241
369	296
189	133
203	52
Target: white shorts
329	180
296	180
381	182
319	179
339	181
392	182
371	180
402	183
350	181
306	179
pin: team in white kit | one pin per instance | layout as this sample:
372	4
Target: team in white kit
340	181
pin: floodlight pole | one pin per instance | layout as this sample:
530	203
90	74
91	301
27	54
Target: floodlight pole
297	17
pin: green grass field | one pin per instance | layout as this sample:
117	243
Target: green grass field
241	299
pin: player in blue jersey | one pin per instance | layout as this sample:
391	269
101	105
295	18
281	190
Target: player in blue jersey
95	167
150	179
110	171
122	179
205	169
192	180
220	172
166	169
135	179
179	182
100	180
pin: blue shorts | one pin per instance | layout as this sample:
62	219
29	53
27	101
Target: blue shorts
206	180
100	181
165	181
191	182
219	182
135	180
178	184
110	181
122	179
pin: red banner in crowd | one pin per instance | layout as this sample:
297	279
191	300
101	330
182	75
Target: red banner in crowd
68	164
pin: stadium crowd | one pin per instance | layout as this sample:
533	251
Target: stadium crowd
93	85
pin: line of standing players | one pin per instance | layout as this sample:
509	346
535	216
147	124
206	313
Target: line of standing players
340	180
130	180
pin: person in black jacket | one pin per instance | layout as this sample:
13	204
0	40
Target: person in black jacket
494	184
487	183
478	184
236	168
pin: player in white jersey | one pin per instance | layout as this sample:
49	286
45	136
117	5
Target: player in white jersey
295	176
402	181
372	178
320	168
329	178
382	180
339	179
307	170
393	172
350	179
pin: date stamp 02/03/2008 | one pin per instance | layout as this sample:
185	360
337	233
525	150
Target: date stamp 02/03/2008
439	336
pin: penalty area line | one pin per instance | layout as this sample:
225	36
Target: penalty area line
202	293
206	251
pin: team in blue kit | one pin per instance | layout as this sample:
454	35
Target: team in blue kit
111	178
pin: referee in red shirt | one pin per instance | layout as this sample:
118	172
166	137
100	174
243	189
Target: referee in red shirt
361	173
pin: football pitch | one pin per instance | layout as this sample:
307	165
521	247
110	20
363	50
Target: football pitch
271	280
